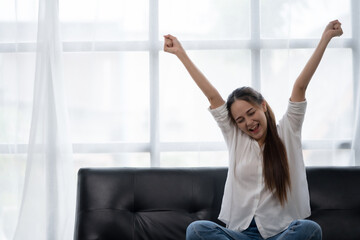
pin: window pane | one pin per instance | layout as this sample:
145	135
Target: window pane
108	96
328	158
302	18
276	83
7	10
111	160
194	159
105	20
17	72
12	173
205	19
18	20
19	10
330	112
183	107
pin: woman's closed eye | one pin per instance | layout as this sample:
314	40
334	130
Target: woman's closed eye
240	120
251	113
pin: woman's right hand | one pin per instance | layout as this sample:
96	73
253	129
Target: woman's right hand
172	45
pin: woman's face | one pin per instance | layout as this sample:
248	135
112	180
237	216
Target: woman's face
250	119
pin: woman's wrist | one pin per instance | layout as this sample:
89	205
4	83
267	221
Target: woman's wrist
181	55
326	38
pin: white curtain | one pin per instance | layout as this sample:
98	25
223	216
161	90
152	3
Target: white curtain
356	137
47	207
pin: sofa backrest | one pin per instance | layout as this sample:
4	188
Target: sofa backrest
335	201
158	204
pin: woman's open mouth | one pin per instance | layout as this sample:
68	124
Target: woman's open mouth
255	128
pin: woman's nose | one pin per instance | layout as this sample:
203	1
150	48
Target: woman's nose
248	121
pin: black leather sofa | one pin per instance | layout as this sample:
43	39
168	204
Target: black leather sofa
158	204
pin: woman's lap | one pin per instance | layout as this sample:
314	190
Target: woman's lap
201	230
207	230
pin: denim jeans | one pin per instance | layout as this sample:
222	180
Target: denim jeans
297	230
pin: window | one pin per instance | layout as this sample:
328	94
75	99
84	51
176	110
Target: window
131	104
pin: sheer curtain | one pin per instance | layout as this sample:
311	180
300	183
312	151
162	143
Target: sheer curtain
131	105
47	207
356	139
356	31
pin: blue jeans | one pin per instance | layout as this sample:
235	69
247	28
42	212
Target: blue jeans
297	230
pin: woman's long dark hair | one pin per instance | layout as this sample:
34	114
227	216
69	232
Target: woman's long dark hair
275	163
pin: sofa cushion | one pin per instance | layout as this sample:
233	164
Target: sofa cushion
145	203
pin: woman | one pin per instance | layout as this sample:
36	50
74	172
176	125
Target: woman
266	193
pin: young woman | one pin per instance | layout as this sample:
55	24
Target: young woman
266	193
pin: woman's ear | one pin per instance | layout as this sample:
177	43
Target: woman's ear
263	105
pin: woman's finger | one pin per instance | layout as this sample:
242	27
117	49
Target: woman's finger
168	43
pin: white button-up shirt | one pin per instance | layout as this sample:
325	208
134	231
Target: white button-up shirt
245	195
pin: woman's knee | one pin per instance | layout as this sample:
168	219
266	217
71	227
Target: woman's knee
200	225
312	229
197	229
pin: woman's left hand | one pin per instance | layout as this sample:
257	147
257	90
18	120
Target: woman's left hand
333	29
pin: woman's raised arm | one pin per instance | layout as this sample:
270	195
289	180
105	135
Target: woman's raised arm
333	29
172	45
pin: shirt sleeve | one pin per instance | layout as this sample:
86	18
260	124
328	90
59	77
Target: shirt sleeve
224	121
294	116
289	129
